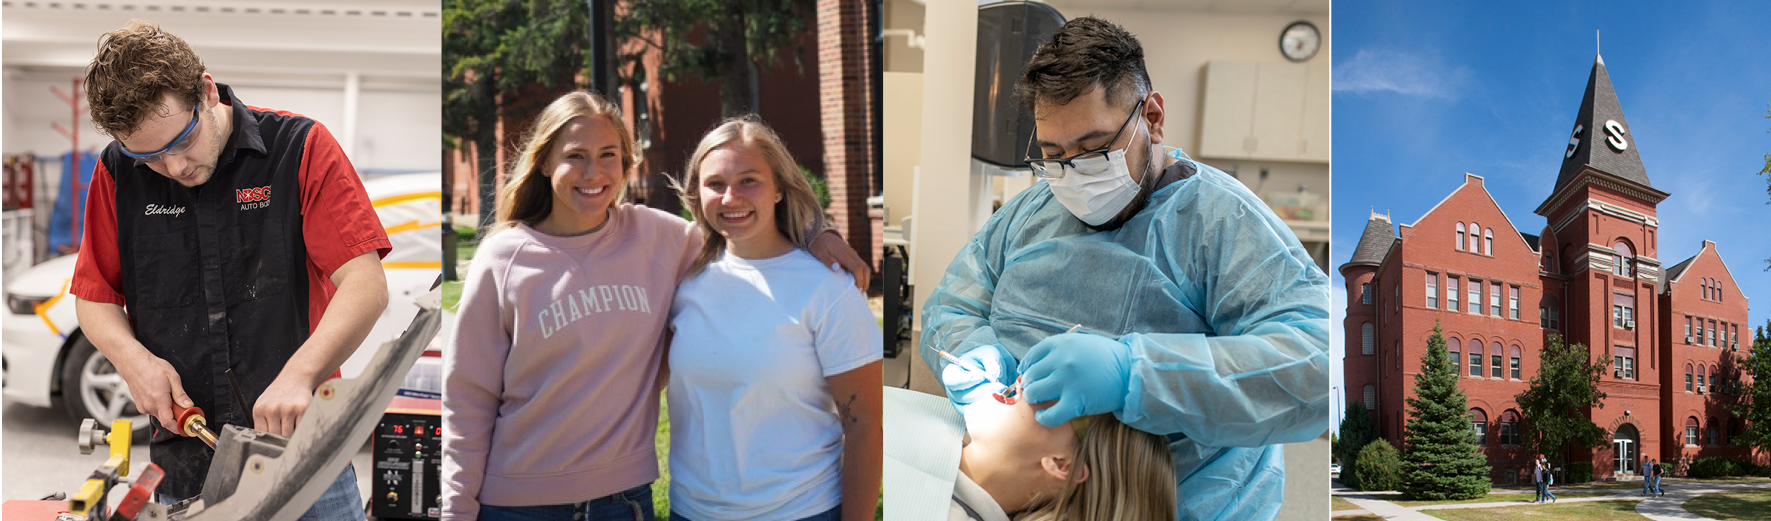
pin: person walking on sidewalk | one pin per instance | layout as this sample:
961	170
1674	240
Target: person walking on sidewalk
1549	478
1537	480
1647	478
1656	473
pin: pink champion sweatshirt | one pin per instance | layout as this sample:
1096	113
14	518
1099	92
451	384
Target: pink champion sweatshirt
552	377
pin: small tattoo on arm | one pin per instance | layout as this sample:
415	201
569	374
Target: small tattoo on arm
846	411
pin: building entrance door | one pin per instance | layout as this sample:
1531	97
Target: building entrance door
1623	445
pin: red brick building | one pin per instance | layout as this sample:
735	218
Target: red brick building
1592	274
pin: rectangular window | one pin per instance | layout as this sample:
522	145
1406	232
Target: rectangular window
1687	329
1690	435
1711	434
1616	315
1736	334
1475	296
1432	290
1509	433
1475	363
1481	432
1555	316
1494	299
1687	381
1494	365
1700	383
1712	333
1543	316
1451	293
1515	367
1365	293
1513	302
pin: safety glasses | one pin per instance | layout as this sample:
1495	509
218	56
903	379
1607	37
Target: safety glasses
178	146
1092	162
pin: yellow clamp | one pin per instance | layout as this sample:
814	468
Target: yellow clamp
89	495
120	439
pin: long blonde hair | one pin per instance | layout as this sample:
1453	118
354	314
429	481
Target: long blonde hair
797	216
527	197
1130	477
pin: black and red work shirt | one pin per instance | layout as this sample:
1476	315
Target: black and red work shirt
231	274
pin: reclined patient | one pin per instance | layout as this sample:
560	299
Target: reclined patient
1091	468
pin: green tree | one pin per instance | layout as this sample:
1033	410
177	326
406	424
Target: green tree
492	51
1380	465
1438	446
1356	431
1754	403
1555	405
1767	173
725	41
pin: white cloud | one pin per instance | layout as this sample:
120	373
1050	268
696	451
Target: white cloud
1403	73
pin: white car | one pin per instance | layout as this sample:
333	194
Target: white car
47	359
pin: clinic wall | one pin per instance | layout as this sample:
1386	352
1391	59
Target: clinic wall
1177	45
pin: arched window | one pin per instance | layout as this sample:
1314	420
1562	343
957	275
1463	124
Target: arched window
1715	380
1455	347
1513	355
1367	339
1509	427
1479	423
1620	265
1691	431
1460	236
1705	283
1700	375
1488	241
1709	431
1476	358
1688	375
1494	361
1474	236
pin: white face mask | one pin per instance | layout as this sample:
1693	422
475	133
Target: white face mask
1096	189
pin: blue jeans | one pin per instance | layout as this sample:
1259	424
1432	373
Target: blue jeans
634	503
341	500
1657	490
834	514
1542	489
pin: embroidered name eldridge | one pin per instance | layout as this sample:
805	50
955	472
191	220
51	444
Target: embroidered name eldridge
154	209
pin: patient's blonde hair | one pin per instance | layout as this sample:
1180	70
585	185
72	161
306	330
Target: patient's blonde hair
1130	477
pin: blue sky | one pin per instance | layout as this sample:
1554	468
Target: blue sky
1425	93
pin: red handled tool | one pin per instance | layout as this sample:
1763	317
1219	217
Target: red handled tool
190	422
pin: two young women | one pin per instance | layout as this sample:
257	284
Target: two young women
552	383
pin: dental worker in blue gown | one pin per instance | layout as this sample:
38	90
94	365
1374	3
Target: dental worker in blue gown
1202	317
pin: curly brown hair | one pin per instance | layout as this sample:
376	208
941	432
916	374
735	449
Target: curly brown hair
134	69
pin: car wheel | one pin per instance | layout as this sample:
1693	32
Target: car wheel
92	388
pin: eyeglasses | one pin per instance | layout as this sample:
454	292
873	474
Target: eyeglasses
179	145
1087	163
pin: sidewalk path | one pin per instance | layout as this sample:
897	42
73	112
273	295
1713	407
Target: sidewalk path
1671	507
1379	504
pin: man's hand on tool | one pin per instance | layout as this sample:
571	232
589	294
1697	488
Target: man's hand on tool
155	387
281	405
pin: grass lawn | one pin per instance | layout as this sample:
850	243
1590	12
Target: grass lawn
1588	511
1492	498
1736	479
1739	504
1336	503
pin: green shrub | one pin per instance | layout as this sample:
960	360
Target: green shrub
1580	472
1714	467
1379	467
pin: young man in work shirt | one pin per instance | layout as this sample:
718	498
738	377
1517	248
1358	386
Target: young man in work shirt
220	237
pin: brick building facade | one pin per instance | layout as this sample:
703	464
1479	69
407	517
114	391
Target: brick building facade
1592	274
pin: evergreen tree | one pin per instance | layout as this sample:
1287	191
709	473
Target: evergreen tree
1357	431
1754	404
1381	467
1566	385
1439	448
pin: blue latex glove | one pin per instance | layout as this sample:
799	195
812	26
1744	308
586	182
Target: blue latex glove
966	382
1087	374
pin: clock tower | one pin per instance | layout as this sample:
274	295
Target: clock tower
1602	267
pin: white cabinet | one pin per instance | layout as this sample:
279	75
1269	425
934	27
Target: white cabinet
1273	111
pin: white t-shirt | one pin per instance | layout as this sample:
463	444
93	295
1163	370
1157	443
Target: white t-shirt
753	428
